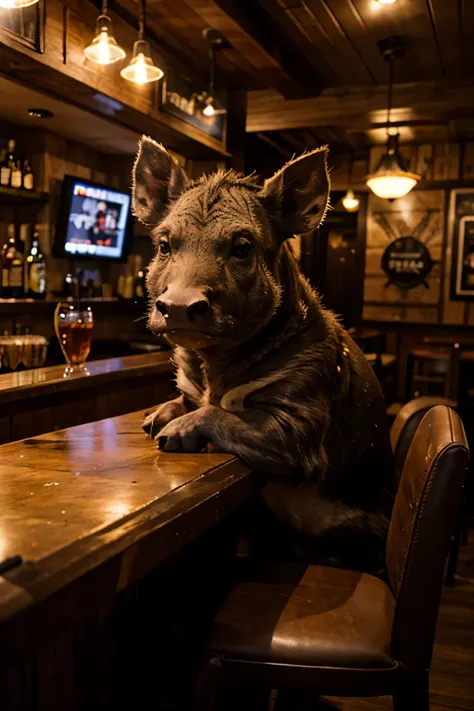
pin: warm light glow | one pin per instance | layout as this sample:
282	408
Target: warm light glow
209	110
392	186
141	69
350	202
104	48
16	4
386	2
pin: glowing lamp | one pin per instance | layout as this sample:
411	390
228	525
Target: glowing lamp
350	202
141	69
104	48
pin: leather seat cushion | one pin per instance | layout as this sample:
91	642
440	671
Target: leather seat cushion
327	617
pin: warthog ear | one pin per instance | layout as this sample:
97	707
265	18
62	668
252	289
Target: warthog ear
298	194
157	180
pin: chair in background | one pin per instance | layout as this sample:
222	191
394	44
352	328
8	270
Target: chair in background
345	633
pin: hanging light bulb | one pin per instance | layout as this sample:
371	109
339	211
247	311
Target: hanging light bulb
350	202
141	69
391	180
104	48
209	109
17	4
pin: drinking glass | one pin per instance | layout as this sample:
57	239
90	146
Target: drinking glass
73	323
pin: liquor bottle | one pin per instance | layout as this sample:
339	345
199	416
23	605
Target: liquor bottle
28	177
8	165
13	263
4	286
5	170
35	270
16	179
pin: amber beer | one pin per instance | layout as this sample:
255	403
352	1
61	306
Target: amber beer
73	324
75	339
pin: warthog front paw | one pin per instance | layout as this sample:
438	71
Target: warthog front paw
159	418
182	434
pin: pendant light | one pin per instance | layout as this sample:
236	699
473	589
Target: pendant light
216	42
392	180
141	69
104	48
350	202
17	4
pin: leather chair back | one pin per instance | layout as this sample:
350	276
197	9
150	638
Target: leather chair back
420	532
406	423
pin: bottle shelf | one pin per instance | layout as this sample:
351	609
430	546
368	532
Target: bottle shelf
17	196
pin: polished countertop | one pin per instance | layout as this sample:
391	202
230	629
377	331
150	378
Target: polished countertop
43	381
73	499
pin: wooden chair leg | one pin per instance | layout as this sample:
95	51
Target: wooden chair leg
206	685
413	695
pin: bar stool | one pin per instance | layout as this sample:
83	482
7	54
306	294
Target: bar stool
345	633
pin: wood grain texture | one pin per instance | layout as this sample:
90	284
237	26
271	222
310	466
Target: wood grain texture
39	382
100	495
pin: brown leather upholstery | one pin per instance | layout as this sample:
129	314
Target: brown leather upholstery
346	632
420	531
327	617
406	423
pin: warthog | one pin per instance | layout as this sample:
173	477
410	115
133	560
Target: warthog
264	370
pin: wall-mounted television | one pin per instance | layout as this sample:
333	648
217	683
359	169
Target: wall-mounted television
94	221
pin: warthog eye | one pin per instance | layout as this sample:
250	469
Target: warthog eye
241	250
164	248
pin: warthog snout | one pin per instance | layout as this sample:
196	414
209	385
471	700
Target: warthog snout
183	309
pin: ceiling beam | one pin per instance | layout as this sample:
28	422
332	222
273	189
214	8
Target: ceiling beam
361	108
281	66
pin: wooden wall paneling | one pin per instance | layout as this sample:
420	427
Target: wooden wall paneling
385	223
359	170
376	153
468	161
424	161
453	161
236	134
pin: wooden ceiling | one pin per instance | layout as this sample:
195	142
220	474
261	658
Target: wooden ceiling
291	51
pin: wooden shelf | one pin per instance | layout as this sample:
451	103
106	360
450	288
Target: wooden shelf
19	196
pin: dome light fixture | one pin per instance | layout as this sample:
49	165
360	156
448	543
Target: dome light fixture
141	69
104	48
16	4
350	202
392	180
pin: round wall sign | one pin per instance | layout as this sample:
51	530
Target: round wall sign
407	262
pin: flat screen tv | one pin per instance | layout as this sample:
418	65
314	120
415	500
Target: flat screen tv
94	221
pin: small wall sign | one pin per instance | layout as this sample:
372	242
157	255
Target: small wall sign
407	262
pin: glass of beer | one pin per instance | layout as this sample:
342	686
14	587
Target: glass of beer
73	323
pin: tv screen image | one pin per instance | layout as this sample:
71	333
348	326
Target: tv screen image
94	220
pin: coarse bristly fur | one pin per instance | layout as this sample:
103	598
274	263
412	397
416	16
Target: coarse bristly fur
265	371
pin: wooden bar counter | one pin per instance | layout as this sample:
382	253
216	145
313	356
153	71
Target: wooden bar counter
42	399
104	540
